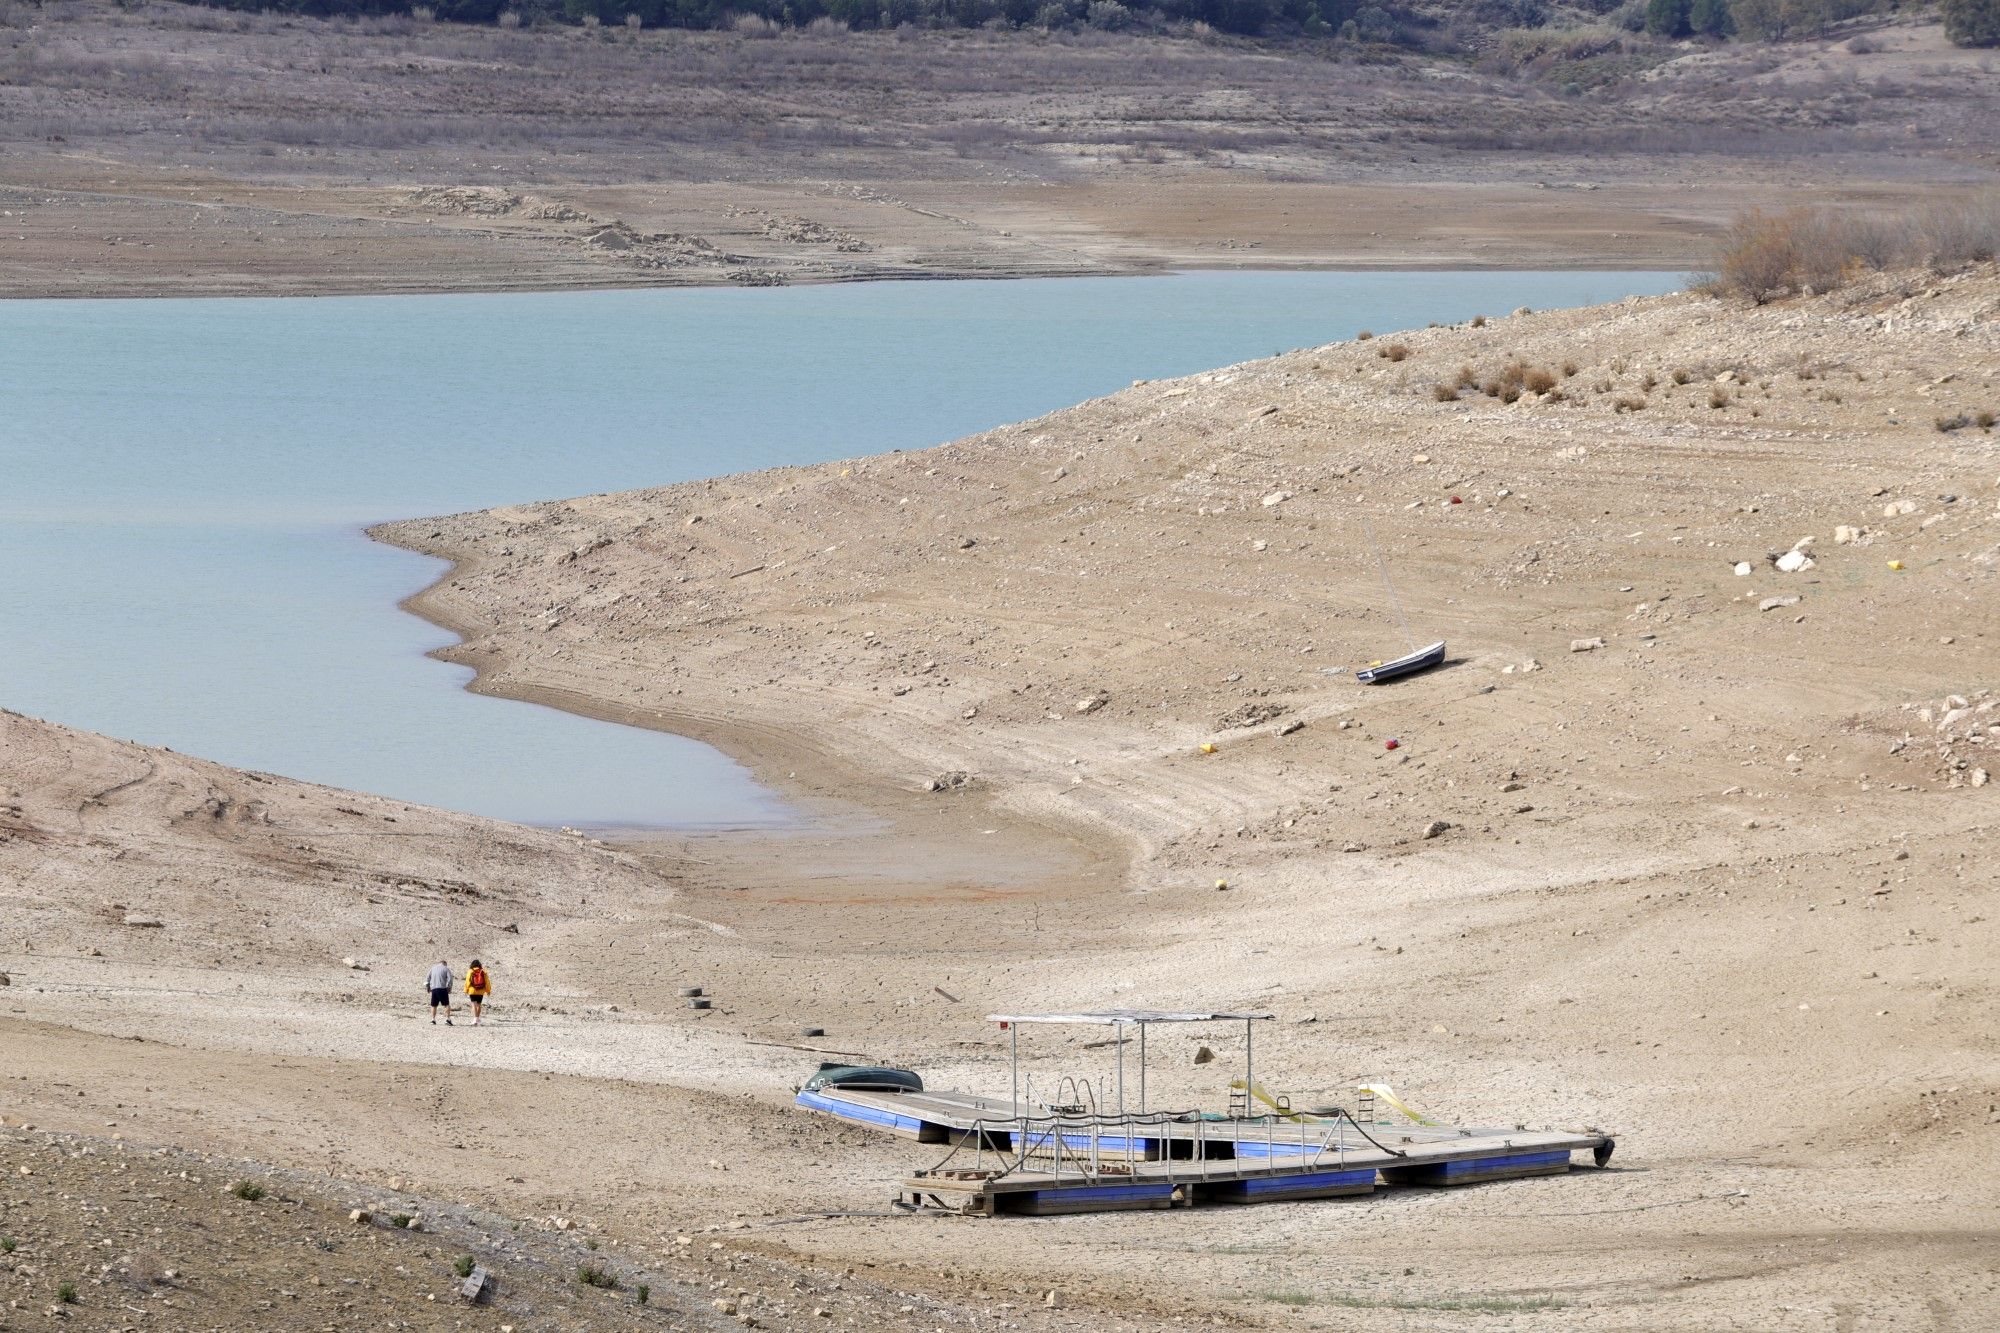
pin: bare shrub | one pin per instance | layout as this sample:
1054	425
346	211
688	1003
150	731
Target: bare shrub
509	19
1956	234
1984	420
1466	377
1957	421
423	14
1363	336
1760	254
1569	369
1479	321
1764	256
1538	381
1718	397
1682	375
754	25
1445	393
1628	403
1394	352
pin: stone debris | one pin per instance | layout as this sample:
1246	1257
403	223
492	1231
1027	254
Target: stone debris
1093	703
1250	715
1775	603
1585	645
1437	828
478	1285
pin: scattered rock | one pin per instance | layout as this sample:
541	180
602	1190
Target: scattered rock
1773	603
1585	645
477	1286
1250	715
956	780
1794	562
1743	569
143	922
1275	498
1203	1055
1436	828
1288	728
1093	703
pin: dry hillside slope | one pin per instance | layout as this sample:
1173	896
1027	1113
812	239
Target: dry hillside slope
1699	855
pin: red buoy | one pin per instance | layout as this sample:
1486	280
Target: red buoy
1392	744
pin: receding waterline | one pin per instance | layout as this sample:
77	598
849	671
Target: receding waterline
186	483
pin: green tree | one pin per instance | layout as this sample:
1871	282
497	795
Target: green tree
1667	18
1764	20
1972	22
1711	18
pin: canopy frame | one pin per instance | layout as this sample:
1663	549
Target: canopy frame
1121	1019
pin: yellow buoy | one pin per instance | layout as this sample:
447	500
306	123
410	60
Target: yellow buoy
1208	747
1895	564
1222	884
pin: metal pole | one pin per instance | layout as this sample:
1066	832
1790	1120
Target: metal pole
1121	1066
1014	1035
1142	1066
1249	1068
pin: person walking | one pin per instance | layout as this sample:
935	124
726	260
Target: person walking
477	987
439	981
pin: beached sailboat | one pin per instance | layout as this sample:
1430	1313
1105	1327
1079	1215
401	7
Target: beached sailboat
1423	659
1410	663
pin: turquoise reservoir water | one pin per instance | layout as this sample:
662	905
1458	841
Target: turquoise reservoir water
183	483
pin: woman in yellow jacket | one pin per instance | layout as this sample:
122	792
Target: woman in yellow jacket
478	985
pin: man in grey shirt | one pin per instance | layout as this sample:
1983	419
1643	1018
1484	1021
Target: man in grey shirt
439	981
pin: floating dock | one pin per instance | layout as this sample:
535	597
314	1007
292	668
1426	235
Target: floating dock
1052	1163
1020	1156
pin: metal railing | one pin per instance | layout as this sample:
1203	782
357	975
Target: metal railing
1096	1148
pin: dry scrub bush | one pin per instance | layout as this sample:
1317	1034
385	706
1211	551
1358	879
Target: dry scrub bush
1394	352
1628	403
1538	381
1764	256
1984	420
1444	393
1718	397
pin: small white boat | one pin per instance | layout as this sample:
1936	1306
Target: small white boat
1421	660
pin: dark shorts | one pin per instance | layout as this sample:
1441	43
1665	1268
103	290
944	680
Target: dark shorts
475	999
441	995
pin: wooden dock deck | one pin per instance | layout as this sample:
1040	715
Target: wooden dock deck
1005	1163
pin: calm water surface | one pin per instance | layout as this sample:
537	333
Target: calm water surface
183	483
